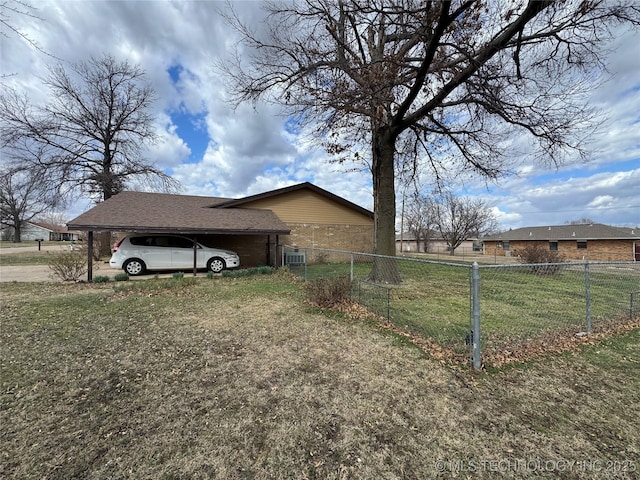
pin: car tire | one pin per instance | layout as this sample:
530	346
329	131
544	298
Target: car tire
216	265
134	267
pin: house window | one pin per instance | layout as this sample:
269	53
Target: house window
553	246
582	244
505	245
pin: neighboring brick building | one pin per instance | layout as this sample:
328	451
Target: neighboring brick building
594	242
256	227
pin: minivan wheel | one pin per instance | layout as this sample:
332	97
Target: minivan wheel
216	265
134	267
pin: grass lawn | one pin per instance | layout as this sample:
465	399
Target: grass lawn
28	258
516	305
240	378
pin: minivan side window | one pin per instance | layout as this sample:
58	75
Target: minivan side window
163	242
181	242
144	241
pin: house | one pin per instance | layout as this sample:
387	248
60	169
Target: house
592	241
407	243
256	227
42	231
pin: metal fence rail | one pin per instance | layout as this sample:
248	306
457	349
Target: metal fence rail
485	314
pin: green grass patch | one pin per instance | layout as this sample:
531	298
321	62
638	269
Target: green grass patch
28	258
517	305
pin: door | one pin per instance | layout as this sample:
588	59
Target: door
182	253
153	250
158	254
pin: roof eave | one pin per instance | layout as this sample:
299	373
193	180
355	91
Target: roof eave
177	230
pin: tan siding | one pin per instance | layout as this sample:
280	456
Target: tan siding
305	206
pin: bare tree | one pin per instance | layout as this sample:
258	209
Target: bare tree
10	10
420	219
582	221
441	83
94	129
25	193
459	218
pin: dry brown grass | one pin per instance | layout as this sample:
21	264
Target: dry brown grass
240	378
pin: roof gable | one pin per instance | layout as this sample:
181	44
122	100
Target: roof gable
295	188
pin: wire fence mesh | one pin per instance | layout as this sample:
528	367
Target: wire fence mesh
524	310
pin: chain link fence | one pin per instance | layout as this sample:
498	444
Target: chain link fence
484	314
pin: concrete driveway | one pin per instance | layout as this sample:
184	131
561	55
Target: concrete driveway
42	273
37	273
26	273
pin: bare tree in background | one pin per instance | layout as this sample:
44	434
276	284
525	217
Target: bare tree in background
420	219
25	193
95	127
582	221
447	84
460	218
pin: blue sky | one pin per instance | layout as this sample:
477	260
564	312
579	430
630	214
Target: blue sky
215	150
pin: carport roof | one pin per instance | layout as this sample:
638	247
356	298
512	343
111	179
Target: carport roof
166	213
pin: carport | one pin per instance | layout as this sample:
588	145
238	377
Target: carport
192	216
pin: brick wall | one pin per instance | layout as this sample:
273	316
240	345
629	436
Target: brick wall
597	250
352	238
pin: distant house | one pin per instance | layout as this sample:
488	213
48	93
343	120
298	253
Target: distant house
594	241
407	243
43	231
256	227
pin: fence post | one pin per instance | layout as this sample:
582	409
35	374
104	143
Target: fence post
475	292
587	287
351	271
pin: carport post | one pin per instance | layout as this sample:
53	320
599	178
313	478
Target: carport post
90	256
195	256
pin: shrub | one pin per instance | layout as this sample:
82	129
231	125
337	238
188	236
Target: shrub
121	277
177	275
68	266
537	254
101	279
329	292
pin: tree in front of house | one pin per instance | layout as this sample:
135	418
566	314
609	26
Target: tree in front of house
24	194
460	218
439	84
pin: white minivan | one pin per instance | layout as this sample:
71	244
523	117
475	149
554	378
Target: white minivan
136	254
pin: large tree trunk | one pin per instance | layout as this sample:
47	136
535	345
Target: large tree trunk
17	232
384	206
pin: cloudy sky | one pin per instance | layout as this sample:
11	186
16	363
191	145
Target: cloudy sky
215	150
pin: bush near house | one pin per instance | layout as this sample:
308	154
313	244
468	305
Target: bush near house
537	254
68	266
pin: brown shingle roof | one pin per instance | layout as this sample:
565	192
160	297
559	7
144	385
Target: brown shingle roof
161	212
